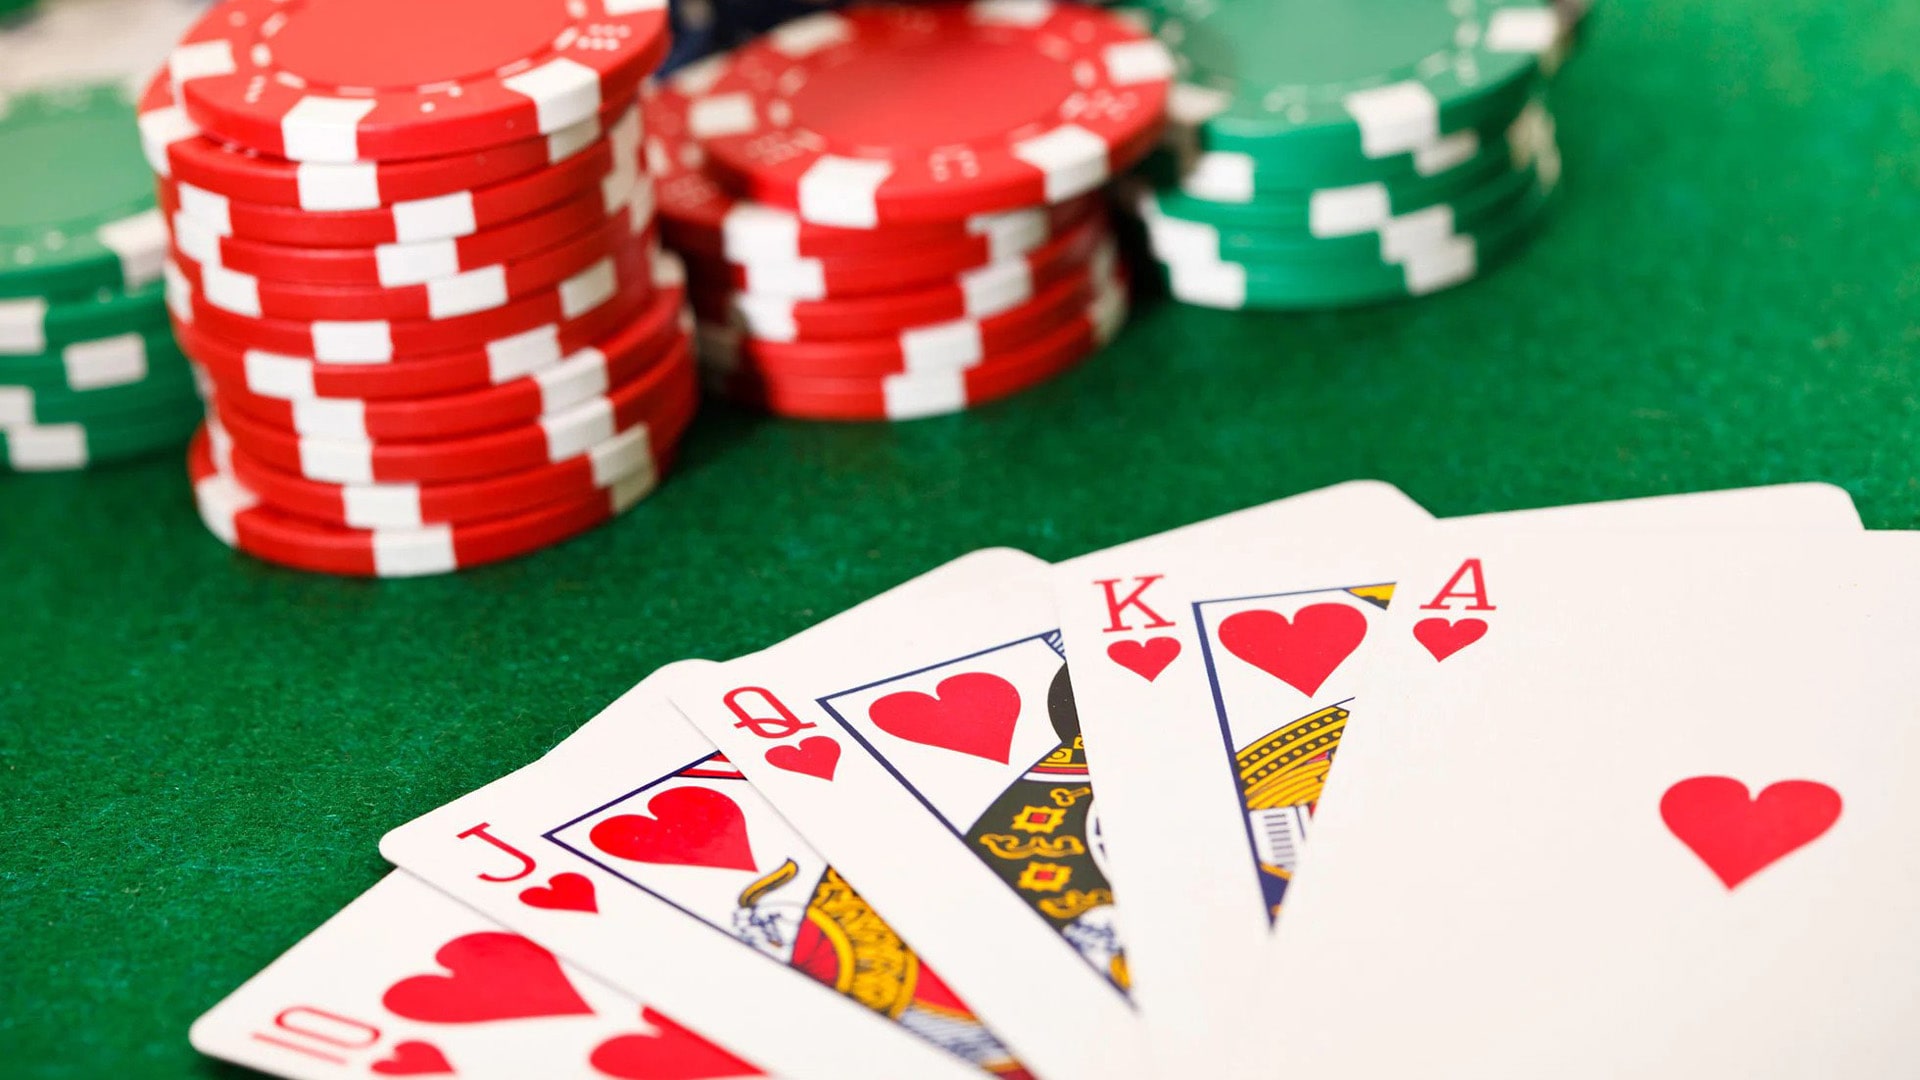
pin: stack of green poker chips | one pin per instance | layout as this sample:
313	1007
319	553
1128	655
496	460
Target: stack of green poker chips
89	372
14	9
1326	155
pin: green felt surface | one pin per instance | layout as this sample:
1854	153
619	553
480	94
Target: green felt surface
198	752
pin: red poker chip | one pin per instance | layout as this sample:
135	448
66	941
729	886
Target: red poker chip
976	294
497	363
396	264
604	175
468	457
589	373
943	346
370	80
178	150
238	518
987	106
698	215
854	275
919	394
617	281
636	452
485	288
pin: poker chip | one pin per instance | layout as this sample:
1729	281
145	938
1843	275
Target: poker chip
1425	261
975	294
1330	156
497	363
921	394
82	217
239	518
1074	96
365	80
29	406
78	445
699	216
38	324
412	256
1297	84
413	263
604	175
956	343
861	254
87	373
828	277
176	149
91	365
615	283
589	373
484	288
469	457
642	451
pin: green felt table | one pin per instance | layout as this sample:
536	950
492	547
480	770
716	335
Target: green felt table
199	752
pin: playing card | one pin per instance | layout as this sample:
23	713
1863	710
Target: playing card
1216	671
637	853
407	982
1623	806
927	742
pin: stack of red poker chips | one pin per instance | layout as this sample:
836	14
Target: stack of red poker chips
414	260
891	212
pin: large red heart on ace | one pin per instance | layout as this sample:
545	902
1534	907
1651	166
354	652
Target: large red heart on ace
1737	837
690	826
973	713
1303	651
490	976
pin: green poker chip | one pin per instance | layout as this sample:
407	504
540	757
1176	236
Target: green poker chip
70	446
98	363
1353	236
1302	86
165	393
1225	198
1411	267
77	210
32	325
14	9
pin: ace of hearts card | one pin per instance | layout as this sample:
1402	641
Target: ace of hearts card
1216	671
1644	801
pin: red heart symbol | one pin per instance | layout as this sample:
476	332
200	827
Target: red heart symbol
690	826
1737	837
1301	652
673	1054
493	976
1146	659
972	713
562	892
412	1059
815	755
1443	638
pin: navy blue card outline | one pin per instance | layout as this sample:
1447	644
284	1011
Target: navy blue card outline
1201	625
551	836
1051	638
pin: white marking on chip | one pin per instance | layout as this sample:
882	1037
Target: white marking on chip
324	128
564	92
843	191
